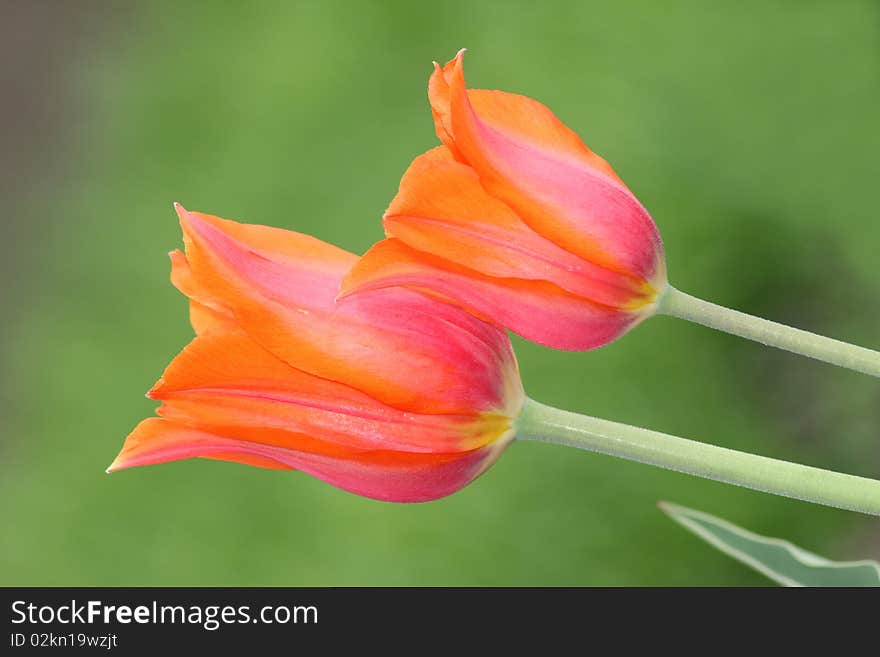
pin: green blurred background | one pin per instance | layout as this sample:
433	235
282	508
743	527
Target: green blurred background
750	131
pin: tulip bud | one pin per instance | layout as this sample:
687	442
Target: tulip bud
516	220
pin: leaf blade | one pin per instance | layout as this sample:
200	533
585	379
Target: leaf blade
779	560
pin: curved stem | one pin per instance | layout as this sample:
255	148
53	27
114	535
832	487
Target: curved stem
545	423
679	304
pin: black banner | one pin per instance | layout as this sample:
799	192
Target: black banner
133	620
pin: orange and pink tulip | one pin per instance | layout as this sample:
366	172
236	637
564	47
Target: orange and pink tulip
390	394
515	219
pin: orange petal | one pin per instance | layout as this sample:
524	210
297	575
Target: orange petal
519	117
537	310
228	384
526	160
204	318
442	209
281	265
383	475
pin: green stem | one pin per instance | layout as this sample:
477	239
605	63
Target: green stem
545	423
679	304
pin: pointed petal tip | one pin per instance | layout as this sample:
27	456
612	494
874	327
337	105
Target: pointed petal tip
121	462
190	222
183	214
455	60
151	393
180	210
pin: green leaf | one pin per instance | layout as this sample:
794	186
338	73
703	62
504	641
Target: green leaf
779	560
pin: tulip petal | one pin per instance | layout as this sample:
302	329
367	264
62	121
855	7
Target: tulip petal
228	384
382	475
520	117
525	160
537	310
442	209
204	318
287	267
447	362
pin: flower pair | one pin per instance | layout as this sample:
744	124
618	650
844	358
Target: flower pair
391	375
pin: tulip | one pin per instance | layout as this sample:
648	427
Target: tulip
516	220
391	395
